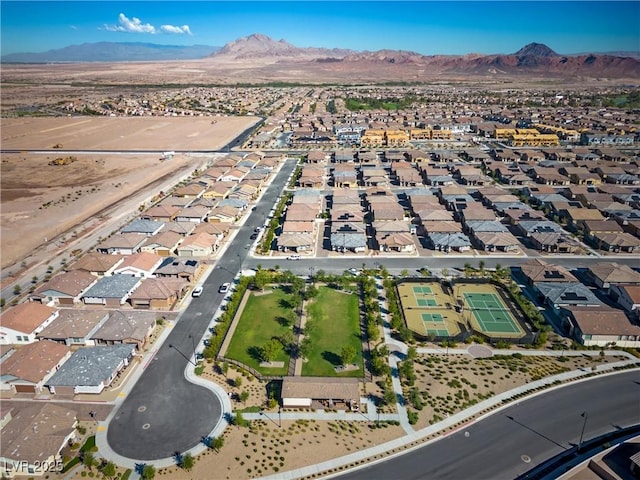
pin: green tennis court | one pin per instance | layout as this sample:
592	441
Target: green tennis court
424	297
491	314
434	325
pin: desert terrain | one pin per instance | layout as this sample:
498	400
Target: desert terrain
42	200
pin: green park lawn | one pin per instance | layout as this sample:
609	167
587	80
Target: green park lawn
257	325
336	316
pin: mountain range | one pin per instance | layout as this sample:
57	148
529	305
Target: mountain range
260	51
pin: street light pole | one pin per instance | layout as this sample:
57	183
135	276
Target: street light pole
585	415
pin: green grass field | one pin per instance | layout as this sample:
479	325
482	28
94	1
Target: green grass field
336	315
257	325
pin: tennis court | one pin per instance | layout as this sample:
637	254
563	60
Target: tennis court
435	325
424	296
491	314
427	310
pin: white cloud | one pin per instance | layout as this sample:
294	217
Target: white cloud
183	30
135	25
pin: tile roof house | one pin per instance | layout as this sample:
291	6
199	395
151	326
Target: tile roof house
344	241
537	270
602	326
161	293
131	327
199	245
161	213
33	439
22	323
143	227
616	242
97	264
111	291
289	227
91	369
31	365
185	268
301	242
396	242
554	242
194	214
564	294
141	264
74	326
446	242
64	289
164	244
121	243
497	241
605	274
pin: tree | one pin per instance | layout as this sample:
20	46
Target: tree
481	265
237	381
412	353
187	461
305	347
270	350
467	269
404	273
287	339
217	443
261	278
389	395
109	469
347	354
17	289
225	368
444	272
244	395
88	460
148	472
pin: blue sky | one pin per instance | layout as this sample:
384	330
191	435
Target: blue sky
444	27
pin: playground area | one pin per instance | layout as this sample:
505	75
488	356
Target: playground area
435	310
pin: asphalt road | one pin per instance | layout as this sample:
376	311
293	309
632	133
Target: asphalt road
413	264
513	441
164	413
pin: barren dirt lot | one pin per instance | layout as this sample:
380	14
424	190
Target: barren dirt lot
41	200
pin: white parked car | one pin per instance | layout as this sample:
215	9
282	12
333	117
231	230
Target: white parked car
293	257
224	288
196	292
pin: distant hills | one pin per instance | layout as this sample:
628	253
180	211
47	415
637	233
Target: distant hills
113	52
260	51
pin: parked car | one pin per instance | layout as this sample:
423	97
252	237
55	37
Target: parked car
253	236
196	292
293	257
224	288
354	271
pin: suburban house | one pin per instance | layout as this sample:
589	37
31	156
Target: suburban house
537	270
497	241
198	245
602	326
447	242
31	365
33	439
301	242
301	392
396	242
565	294
122	243
554	242
289	227
193	214
628	297
161	293
143	227
74	327
348	240
616	242
111	291
97	264
223	214
90	369
133	327
164	244
21	323
186	269
65	289
161	213
141	264
605	274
